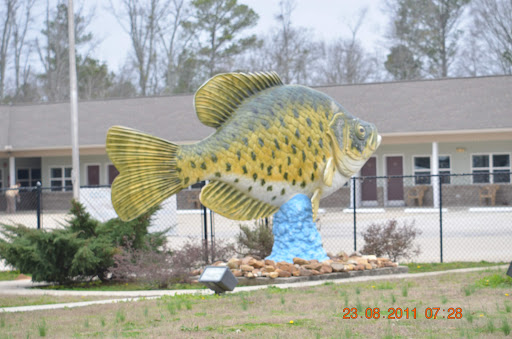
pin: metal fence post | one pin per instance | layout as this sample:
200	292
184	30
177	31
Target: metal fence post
354	206
205	228
39	190
441	216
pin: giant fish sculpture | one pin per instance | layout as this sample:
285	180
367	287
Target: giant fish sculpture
272	142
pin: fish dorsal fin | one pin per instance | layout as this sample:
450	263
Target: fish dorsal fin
219	97
229	202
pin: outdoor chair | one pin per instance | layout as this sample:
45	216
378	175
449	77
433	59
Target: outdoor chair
488	192
416	193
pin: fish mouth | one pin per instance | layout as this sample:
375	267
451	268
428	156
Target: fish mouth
352	162
375	141
349	166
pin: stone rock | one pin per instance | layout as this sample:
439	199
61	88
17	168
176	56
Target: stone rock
315	272
196	272
390	264
304	272
358	260
250	275
349	267
338	267
359	267
269	268
220	264
246	268
326	269
369	257
352	262
368	266
265	274
257	272
297	273
383	259
237	273
285	266
273	275
300	261
283	274
356	254
246	260
258	263
313	266
343	256
327	262
234	263
270	263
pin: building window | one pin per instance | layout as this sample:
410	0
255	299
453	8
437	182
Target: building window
60	179
422	169
491	168
28	176
445	168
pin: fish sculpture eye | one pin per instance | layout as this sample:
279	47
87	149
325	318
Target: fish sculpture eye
360	132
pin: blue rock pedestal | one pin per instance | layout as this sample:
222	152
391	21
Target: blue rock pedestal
295	233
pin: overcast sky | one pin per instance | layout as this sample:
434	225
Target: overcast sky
327	18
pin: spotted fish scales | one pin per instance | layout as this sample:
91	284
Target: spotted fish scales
272	141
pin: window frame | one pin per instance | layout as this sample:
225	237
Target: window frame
491	168
30	181
63	178
446	179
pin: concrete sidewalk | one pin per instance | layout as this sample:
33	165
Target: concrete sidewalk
25	287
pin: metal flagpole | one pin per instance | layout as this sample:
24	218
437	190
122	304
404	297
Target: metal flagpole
74	103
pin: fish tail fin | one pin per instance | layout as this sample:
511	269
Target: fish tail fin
147	171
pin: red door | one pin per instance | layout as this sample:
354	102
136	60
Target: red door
93	175
112	173
369	186
394	166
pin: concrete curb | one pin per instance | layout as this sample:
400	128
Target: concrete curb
20	288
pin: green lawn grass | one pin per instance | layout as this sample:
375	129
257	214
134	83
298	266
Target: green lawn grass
9	275
434	267
98	285
324	311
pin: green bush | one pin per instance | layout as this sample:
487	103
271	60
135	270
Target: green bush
257	241
81	250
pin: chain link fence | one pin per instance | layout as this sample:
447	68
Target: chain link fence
464	217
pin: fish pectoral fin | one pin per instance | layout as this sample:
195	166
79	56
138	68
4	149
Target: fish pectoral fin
231	203
218	98
315	202
329	172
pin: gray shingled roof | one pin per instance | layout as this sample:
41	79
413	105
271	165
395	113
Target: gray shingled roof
396	107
